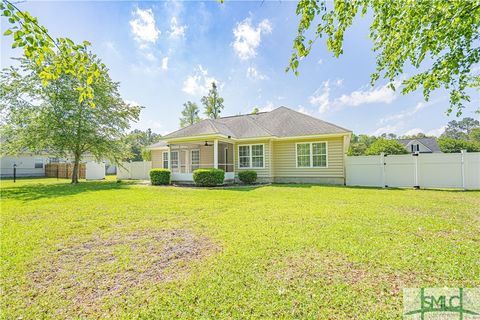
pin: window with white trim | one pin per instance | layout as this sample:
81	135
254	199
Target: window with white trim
174	159
38	163
165	160
312	155
195	159
251	156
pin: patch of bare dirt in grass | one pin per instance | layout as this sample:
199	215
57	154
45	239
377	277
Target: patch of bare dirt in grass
86	274
329	268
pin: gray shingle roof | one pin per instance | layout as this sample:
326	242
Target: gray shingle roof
159	144
430	143
280	122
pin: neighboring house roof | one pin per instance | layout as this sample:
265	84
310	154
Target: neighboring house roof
430	143
280	122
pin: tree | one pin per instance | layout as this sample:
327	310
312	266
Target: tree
449	145
189	114
51	116
419	135
460	129
138	141
213	103
360	143
255	110
475	135
439	38
54	58
385	146
388	136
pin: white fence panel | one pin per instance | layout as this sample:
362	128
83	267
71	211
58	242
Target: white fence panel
365	171
137	170
400	171
472	170
440	170
94	171
426	170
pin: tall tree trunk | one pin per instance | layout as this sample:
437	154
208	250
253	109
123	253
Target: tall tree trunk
76	168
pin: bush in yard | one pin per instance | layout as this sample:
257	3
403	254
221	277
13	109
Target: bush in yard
160	176
248	176
208	177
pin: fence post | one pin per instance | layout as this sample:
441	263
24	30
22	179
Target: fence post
144	170
416	186
14	172
463	169
382	163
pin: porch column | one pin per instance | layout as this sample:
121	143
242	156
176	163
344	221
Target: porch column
169	157
215	153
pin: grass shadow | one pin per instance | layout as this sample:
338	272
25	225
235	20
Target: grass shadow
35	191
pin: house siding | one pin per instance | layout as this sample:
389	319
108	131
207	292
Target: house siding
285	166
157	160
263	174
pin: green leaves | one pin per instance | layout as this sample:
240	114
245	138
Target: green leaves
54	57
404	33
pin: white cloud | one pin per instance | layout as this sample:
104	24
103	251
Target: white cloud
321	97
436	132
304	110
376	95
386	129
165	63
176	31
199	83
413	131
320	61
404	114
254	74
143	26
268	107
248	37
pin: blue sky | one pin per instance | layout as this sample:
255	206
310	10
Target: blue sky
166	53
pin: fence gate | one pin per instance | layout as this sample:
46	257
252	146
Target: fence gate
424	170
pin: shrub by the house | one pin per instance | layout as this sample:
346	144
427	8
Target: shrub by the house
208	177
160	176
247	176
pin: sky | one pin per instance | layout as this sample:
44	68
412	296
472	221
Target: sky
166	53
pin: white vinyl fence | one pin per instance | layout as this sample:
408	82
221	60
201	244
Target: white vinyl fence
94	171
138	170
425	170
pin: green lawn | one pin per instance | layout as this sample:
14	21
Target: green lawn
122	250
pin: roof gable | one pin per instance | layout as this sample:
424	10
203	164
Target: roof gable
429	143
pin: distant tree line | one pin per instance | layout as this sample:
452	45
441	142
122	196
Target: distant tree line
458	135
